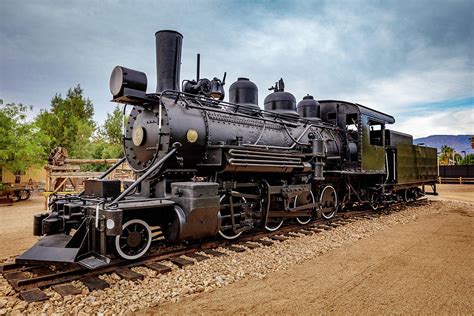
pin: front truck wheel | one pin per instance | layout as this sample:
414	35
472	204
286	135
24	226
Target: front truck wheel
134	241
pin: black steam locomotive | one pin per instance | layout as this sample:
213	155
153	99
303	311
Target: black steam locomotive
206	167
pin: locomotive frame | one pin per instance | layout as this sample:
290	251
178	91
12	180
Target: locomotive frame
208	167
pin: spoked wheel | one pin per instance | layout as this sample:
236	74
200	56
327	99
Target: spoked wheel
303	199
373	202
328	202
274	224
15	196
226	219
409	195
135	239
24	195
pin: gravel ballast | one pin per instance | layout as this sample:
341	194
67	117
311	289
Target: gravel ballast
130	296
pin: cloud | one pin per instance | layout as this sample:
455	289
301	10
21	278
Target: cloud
447	122
394	56
443	80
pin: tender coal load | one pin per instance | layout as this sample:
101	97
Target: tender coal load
309	107
280	101
244	92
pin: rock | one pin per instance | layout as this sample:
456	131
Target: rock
91	299
21	306
134	307
3	303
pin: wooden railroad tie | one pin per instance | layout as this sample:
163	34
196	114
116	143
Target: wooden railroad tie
66	289
236	249
12	276
41	271
326	227
197	256
279	238
181	262
158	267
214	253
94	283
129	274
250	246
264	242
33	295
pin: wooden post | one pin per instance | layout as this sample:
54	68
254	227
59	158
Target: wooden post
460	180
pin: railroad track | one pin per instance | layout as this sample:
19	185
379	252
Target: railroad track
30	281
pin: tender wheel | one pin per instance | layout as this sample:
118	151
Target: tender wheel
226	221
135	239
328	202
409	195
305	199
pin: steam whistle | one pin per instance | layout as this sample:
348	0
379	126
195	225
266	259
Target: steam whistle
210	88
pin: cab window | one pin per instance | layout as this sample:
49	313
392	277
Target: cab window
376	133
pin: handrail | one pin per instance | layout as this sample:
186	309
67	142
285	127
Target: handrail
145	175
107	172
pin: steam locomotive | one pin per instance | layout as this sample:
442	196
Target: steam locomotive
208	167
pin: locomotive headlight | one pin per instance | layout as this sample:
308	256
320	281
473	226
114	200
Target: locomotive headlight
127	82
192	135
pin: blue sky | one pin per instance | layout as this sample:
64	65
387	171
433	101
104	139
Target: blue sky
412	59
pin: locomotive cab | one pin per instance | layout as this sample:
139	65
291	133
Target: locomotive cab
365	130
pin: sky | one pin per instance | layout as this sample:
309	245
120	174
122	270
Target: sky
411	59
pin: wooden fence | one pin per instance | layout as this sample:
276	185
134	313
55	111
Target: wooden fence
463	174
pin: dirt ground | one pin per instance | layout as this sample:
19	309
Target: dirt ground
455	192
423	267
420	267
16	231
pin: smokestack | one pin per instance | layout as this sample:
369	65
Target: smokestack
168	60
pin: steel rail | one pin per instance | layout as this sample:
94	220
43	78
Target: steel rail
75	273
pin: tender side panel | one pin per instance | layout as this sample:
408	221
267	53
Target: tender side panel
416	164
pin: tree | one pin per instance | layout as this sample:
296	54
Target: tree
112	134
107	143
22	143
468	160
69	123
446	155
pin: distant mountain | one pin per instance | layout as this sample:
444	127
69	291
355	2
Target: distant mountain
458	142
